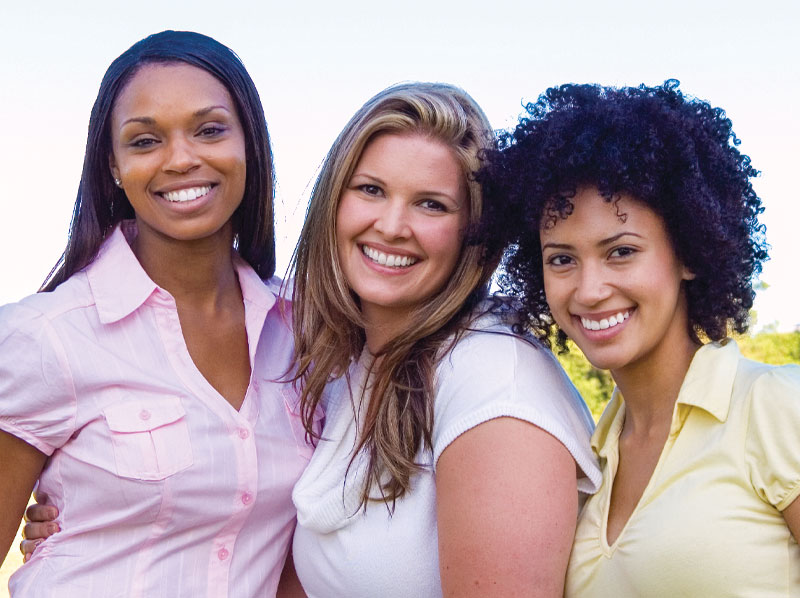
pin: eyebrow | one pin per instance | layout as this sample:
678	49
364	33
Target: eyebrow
601	243
147	120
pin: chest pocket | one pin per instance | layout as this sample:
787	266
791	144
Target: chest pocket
150	437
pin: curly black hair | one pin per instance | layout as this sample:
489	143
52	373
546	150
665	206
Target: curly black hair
675	153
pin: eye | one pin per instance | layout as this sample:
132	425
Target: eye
433	205
143	142
622	252
559	259
211	131
372	190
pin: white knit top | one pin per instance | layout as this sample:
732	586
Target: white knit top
343	551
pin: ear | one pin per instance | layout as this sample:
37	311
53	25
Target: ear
112	165
687	274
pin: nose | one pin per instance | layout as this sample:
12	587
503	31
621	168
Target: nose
593	285
392	220
181	156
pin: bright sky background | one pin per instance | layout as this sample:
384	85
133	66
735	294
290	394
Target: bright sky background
315	63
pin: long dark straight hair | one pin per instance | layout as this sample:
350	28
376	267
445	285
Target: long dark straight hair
101	205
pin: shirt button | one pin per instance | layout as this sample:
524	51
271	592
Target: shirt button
144	415
223	554
247	498
244	433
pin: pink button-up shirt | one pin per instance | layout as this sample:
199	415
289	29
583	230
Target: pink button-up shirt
163	488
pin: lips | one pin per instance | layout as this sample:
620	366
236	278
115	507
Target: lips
605	323
188	194
388	259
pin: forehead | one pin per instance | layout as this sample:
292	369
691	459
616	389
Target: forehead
595	216
170	86
413	156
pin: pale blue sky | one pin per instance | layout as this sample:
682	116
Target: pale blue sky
315	63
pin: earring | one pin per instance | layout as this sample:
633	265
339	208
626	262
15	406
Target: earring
117	182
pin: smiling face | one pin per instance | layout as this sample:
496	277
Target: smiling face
614	284
400	224
178	150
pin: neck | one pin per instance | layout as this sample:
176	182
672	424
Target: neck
383	325
651	388
199	272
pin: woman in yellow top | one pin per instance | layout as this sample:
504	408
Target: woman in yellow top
636	235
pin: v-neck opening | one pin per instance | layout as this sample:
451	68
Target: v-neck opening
195	381
610	548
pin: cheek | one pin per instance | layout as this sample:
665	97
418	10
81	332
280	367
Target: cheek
238	168
444	242
345	222
557	296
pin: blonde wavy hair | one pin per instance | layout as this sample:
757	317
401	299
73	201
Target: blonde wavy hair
328	325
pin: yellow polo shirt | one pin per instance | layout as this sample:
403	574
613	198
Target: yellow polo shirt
709	522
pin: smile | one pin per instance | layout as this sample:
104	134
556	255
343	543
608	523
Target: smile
186	194
619	318
387	259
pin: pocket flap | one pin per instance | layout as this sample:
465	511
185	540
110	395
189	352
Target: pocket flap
141	415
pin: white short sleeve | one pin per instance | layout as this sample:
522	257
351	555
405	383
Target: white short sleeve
37	399
492	373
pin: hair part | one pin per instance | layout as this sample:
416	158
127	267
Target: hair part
676	154
101	205
328	325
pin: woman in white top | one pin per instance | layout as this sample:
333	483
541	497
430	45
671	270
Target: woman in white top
453	451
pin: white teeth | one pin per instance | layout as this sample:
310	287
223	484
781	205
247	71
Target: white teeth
605	322
388	260
186	194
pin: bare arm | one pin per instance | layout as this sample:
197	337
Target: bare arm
289	585
21	465
507	505
792	516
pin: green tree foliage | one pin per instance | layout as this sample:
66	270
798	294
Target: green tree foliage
596	385
772	347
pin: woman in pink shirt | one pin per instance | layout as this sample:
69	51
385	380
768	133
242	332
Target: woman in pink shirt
171	468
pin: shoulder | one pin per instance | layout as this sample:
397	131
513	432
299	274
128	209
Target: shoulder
491	372
281	288
762	386
34	314
69	295
493	355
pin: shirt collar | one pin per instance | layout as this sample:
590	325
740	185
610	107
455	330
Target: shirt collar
709	382
610	424
707	385
120	285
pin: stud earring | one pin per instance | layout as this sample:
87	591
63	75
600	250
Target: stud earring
117	182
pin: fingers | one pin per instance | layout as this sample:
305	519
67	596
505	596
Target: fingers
39	530
26	547
40	525
41	513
